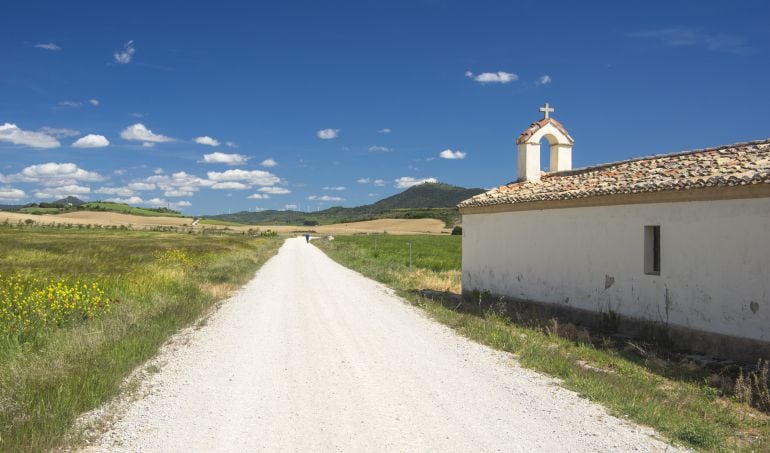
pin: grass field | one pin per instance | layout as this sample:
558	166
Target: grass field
666	396
82	308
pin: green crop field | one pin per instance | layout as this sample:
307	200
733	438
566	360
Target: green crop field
672	397
79	309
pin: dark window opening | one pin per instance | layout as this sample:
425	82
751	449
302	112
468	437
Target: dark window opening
652	250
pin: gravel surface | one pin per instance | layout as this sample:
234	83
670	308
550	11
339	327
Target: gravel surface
311	356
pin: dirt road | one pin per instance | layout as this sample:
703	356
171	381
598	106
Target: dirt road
311	356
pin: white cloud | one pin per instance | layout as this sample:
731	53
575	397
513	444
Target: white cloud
141	186
691	37
337	188
379	149
222	158
384	130
138	132
136	115
269	163
63	191
176	193
129	200
148	145
72	104
492	77
58	132
206	140
275	190
157	202
11	194
231	185
54	174
449	154
406	182
158	171
258	196
231	144
12	134
290	207
327	134
379	182
94	102
543	80
127	54
324	198
117	191
182	204
253	177
48	46
363	180
91	141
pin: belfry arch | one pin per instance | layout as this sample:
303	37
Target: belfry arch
529	147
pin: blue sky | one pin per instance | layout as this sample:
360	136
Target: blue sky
311	104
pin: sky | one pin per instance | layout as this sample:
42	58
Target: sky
214	107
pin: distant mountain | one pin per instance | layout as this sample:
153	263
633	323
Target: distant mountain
74	201
429	200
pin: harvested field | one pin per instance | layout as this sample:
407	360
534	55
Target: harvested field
392	226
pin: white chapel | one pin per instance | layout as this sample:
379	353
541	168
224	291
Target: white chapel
679	241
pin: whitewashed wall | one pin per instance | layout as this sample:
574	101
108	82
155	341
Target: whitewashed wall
715	261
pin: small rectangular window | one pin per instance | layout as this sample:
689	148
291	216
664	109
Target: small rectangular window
652	249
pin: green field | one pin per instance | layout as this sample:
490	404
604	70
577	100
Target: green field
105	206
664	394
80	309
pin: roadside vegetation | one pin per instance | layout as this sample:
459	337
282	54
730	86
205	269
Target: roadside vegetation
79	309
685	402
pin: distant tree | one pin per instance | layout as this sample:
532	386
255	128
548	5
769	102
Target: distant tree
457	230
310	223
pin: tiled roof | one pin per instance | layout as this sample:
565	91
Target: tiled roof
534	127
731	165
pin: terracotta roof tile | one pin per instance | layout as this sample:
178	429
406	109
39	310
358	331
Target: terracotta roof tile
730	165
534	127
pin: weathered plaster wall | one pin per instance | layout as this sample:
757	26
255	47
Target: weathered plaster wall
715	261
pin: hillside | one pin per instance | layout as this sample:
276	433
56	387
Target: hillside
431	200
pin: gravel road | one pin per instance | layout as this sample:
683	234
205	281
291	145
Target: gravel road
311	356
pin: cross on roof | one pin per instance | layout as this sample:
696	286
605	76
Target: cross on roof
546	109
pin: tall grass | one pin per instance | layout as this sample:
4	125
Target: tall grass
158	282
679	405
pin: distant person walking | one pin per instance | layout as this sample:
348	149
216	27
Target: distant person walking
307	238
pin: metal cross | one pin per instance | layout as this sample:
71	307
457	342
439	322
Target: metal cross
546	109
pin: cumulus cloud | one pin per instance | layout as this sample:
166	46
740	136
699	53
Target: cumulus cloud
222	158
324	198
275	190
141	186
363	180
337	188
231	144
12	134
117	191
406	182
182	204
91	141
179	184
58	132
449	154
379	149
252	177
290	207
385	130
269	163
54	174
128	200
127	54
543	80
206	140
139	133
63	191
176	193
48	46
379	182
327	134
11	194
492	77
94	102
258	196
230	185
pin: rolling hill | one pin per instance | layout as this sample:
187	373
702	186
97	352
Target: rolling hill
430	200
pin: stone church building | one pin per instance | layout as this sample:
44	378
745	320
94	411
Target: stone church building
679	241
